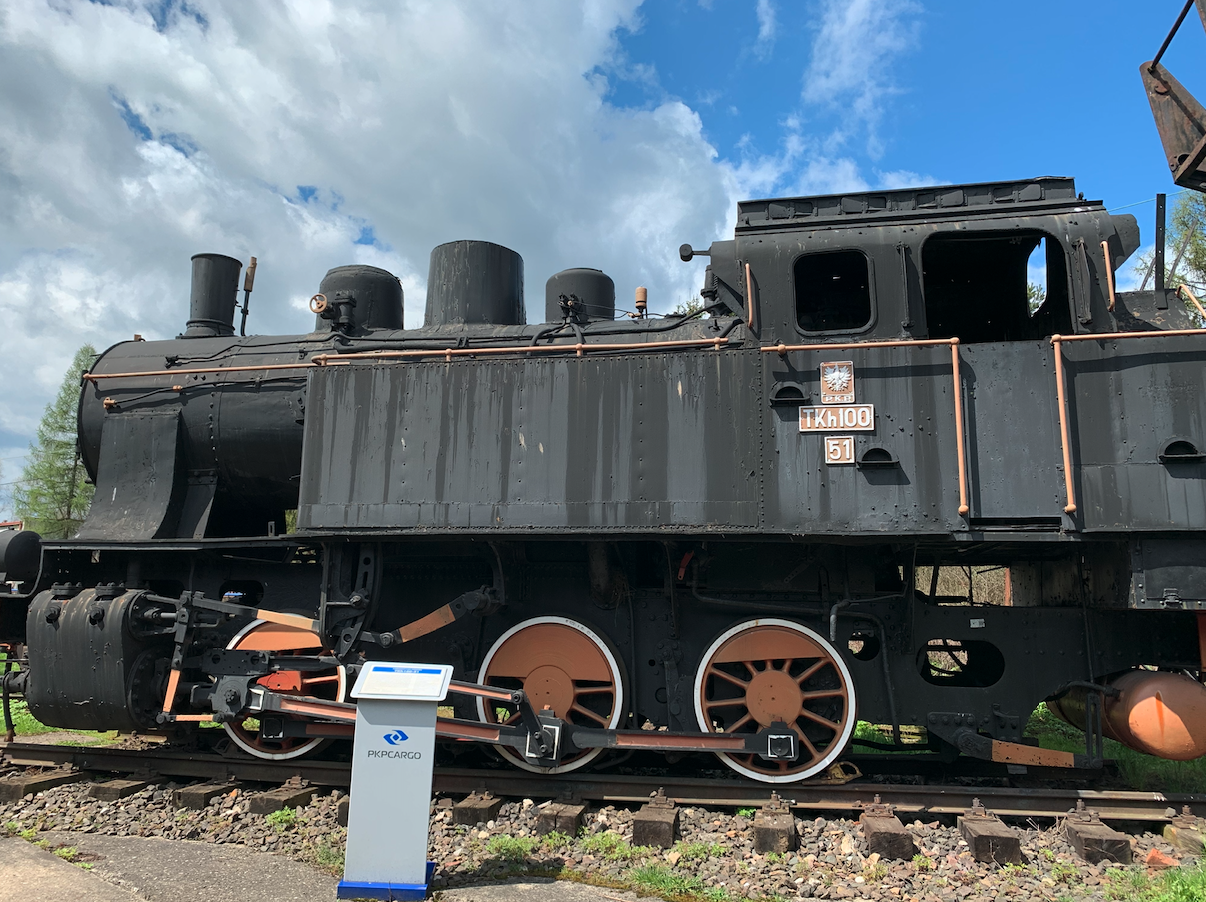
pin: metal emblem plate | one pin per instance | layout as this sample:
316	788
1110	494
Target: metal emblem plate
837	382
839	449
838	418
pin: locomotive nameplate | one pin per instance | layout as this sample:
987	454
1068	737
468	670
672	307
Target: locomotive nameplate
844	417
839	449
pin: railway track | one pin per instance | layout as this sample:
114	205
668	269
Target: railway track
626	789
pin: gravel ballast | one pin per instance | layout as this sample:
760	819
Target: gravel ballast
714	860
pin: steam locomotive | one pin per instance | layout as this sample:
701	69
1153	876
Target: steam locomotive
710	522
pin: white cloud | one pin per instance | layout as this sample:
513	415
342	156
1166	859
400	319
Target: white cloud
852	56
767	26
134	134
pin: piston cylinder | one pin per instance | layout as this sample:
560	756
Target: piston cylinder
1157	713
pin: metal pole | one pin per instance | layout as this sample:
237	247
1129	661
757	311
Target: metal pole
1171	34
1158	263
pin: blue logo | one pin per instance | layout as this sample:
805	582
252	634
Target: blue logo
395	737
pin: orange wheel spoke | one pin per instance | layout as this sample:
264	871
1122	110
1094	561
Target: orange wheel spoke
594	690
724	675
588	713
329	678
746	718
811	672
817	718
823	693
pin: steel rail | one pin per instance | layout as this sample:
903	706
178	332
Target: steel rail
619	789
782	350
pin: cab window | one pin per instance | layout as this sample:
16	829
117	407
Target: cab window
833	292
995	286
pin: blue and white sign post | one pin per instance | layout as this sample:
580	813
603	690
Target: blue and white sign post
392	758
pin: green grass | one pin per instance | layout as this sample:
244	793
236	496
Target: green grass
693	851
674	887
1138	771
1183	884
24	723
512	848
67	853
746	812
281	819
328	858
613	848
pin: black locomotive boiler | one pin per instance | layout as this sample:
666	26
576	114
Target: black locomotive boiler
711	522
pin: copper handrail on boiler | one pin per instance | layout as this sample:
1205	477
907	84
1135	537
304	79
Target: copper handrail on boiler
781	349
580	349
1057	342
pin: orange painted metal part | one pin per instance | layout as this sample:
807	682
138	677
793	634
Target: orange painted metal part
1157	713
428	624
169	696
1065	444
1016	753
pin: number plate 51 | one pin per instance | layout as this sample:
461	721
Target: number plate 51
839	449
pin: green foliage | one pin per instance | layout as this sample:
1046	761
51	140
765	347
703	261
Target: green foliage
746	812
1183	884
67	853
686	308
328	858
51	495
1035	296
282	819
666	883
555	839
1139	771
512	848
613	847
28	835
692	851
922	862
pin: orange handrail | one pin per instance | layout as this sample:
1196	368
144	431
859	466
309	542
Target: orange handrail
781	349
580	349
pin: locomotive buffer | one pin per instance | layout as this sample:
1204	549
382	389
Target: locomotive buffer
392	759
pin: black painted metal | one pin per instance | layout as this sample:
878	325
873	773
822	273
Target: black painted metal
579	295
214	296
662	493
365	297
474	282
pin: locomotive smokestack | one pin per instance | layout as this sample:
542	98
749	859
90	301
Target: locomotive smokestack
214	298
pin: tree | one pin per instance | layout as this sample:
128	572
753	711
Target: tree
51	495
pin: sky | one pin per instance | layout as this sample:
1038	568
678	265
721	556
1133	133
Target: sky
604	133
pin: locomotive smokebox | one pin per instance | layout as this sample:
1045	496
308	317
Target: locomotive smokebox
472	282
361	297
212	305
579	295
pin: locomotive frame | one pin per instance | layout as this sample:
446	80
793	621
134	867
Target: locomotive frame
702	528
